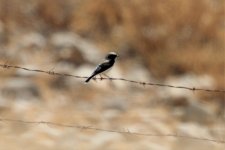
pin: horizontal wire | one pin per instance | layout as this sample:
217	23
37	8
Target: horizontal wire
127	132
5	66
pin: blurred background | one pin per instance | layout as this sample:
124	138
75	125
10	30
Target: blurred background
170	42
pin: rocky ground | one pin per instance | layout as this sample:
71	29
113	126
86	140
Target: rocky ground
75	47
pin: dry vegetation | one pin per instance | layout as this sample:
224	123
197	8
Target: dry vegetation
191	31
168	37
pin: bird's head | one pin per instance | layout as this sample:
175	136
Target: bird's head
111	56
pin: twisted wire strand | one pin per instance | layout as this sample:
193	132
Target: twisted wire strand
5	66
126	131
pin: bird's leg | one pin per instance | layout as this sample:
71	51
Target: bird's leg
95	79
100	76
106	75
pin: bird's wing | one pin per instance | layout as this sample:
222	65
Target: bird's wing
102	67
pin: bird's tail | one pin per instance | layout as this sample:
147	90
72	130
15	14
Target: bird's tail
89	78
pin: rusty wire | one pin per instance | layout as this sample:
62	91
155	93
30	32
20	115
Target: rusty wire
6	66
125	131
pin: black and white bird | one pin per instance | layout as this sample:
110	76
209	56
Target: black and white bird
108	63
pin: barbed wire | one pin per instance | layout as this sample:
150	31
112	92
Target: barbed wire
126	131
6	66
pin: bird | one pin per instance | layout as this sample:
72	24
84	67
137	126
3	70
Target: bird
105	65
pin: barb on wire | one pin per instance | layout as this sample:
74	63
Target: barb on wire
116	79
127	131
